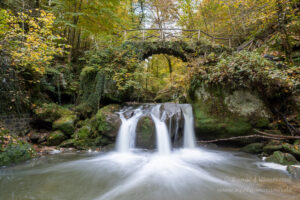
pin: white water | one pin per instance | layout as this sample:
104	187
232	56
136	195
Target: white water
189	133
126	135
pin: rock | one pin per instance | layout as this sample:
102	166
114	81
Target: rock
282	158
83	133
84	110
50	112
222	113
145	131
65	124
67	143
292	149
38	137
294	170
107	121
253	148
55	138
273	145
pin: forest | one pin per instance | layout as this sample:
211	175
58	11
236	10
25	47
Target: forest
146	76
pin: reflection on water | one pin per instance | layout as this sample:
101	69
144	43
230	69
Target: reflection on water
189	174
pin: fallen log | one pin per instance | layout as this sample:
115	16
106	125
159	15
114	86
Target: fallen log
278	136
238	138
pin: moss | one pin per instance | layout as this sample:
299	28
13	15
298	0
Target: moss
51	112
65	124
282	158
83	133
253	148
68	143
102	122
145	133
84	110
261	122
55	138
293	149
213	127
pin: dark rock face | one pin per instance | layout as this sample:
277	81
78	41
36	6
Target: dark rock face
145	133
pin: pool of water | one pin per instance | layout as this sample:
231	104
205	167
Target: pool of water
185	174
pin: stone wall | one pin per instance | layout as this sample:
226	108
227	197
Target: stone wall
17	124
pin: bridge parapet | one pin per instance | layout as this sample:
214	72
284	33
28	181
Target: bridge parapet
171	34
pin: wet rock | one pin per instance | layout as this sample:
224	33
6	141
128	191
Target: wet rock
145	131
55	138
67	143
294	170
282	158
253	148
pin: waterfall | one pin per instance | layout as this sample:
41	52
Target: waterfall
189	133
160	113
126	135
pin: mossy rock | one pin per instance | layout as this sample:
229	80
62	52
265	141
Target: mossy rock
67	143
292	149
15	153
106	121
50	112
273	145
145	133
55	138
212	127
253	148
66	124
83	133
282	158
261	122
84	110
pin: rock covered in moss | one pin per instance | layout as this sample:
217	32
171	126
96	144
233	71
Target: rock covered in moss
83	133
145	133
66	124
50	112
107	121
253	148
84	110
292	149
55	138
282	158
273	145
68	143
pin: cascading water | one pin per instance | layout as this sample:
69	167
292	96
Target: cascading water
163	140
189	133
126	135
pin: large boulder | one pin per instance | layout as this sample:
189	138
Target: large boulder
66	124
107	121
50	112
55	138
282	158
223	113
